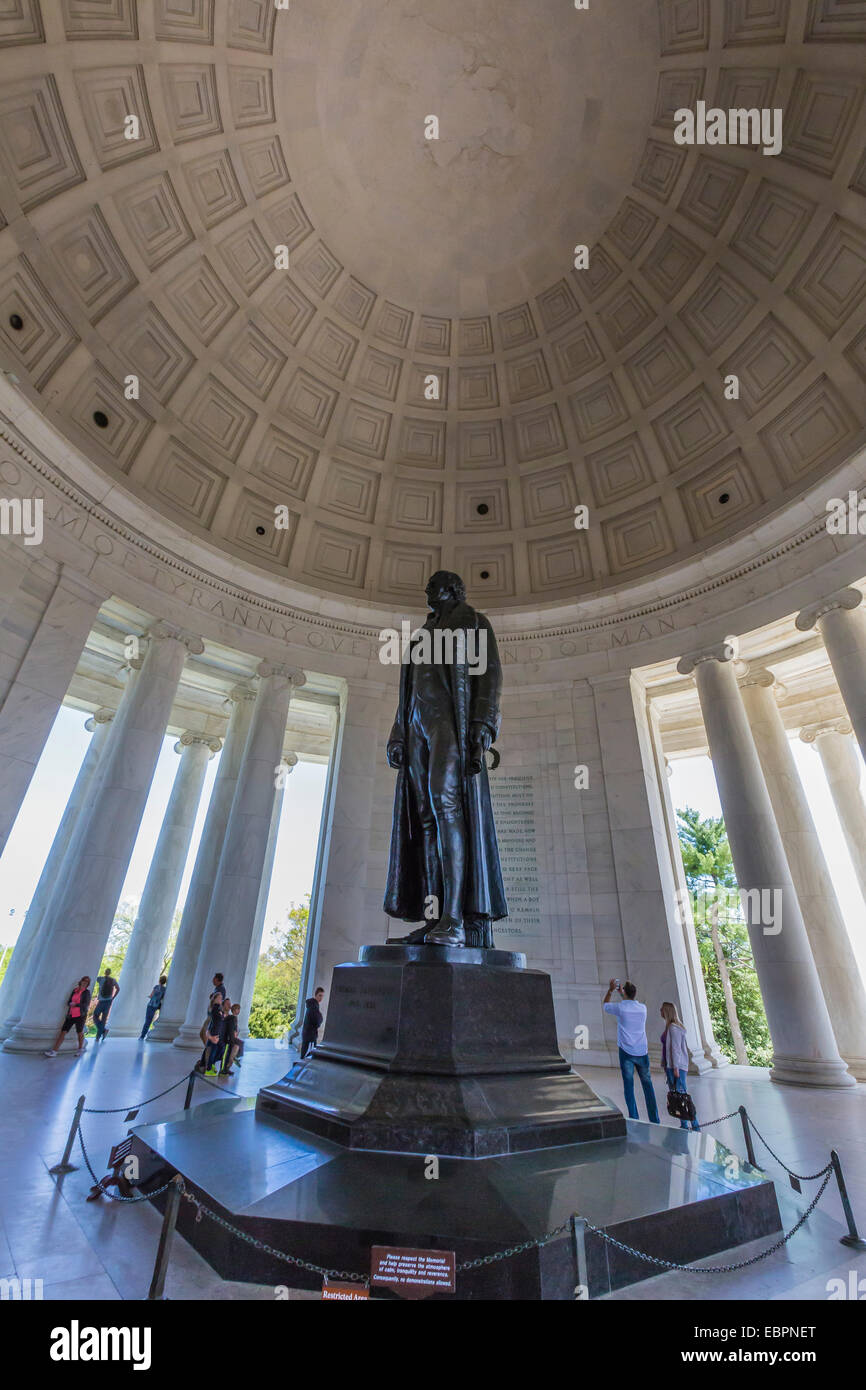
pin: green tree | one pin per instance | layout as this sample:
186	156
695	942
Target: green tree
118	938
733	992
278	977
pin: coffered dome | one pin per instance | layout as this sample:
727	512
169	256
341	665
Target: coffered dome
431	382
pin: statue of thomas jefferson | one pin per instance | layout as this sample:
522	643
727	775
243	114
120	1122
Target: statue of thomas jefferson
444	865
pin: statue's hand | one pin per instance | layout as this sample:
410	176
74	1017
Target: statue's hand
480	739
395	753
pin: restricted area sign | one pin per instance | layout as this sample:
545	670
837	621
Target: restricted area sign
343	1293
413	1273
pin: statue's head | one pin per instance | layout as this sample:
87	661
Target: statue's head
443	585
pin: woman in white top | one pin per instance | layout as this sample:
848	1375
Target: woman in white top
675	1054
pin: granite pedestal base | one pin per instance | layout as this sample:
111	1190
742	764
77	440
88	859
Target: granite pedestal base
663	1191
437	1050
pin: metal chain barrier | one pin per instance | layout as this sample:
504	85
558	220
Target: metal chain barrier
347	1275
223	1090
718	1269
810	1177
514	1249
119	1109
352	1277
116	1196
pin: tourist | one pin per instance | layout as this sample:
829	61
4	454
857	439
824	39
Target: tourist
238	1048
154	1004
231	1039
108	992
217	994
76	1016
312	1022
633	1047
675	1054
214	1036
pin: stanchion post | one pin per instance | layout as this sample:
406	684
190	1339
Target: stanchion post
189	1090
169	1221
64	1166
747	1135
578	1236
853	1238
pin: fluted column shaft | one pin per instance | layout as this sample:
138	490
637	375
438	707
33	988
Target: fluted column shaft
192	923
232	912
246	997
842	768
144	955
841	621
14	981
834	957
36	693
804	1048
341	913
80	915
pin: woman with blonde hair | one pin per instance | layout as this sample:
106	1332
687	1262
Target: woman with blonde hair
675	1054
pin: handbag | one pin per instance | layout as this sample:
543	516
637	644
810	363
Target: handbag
681	1106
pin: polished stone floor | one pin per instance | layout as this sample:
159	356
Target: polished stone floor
105	1251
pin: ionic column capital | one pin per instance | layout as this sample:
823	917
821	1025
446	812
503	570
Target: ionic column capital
843	598
289	761
292	674
241	693
750	675
726	650
103	715
811	732
165	631
190	738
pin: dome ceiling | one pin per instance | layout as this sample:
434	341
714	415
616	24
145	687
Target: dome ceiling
411	260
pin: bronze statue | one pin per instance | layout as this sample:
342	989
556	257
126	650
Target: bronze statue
444	865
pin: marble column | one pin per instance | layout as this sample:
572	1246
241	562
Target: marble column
804	1048
142	964
129	674
14	981
41	681
81	912
834	957
231	917
841	621
338	928
246	995
843	770
192	922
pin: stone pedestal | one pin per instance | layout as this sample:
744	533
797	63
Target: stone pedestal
436	1050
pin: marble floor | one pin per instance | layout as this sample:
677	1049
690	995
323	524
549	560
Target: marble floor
101	1250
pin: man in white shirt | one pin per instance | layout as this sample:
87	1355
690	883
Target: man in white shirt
633	1047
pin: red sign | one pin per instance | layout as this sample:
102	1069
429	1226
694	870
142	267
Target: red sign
343	1293
413	1273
